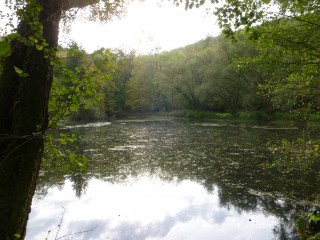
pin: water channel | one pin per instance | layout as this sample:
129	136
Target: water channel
171	179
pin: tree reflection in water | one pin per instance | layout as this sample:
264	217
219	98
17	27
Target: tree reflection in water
224	158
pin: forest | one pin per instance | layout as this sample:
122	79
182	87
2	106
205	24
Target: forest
255	73
263	65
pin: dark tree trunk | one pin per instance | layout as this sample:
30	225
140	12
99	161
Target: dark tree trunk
24	112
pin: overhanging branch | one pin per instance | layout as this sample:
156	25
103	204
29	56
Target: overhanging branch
68	4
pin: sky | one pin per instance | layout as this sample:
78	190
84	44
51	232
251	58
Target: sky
147	28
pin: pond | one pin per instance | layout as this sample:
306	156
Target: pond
171	179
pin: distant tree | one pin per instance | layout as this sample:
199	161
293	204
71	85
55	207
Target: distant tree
286	33
140	89
121	78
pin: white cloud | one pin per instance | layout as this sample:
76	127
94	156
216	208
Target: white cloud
144	208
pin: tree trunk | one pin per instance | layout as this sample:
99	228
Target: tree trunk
24	112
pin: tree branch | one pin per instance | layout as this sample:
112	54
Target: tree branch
68	4
72	234
61	220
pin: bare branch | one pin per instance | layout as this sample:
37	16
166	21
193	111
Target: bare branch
61	220
71	234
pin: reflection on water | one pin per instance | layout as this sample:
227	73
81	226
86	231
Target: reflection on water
160	180
145	208
88	125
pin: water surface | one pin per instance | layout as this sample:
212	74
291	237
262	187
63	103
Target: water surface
170	179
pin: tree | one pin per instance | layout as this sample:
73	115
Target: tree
140	90
121	78
98	87
191	82
225	84
27	59
287	36
293	54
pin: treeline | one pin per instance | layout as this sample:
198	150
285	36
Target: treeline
271	68
201	76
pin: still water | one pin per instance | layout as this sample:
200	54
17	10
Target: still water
172	180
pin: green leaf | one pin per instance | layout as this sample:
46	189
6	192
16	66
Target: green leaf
39	47
5	49
18	70
17	235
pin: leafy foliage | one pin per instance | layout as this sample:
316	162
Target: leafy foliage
82	82
308	226
79	81
4	48
202	76
299	154
60	153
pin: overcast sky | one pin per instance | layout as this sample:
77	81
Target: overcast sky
147	27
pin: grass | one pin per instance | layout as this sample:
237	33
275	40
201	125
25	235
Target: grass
254	116
245	116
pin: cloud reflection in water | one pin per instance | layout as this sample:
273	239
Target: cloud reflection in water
144	208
